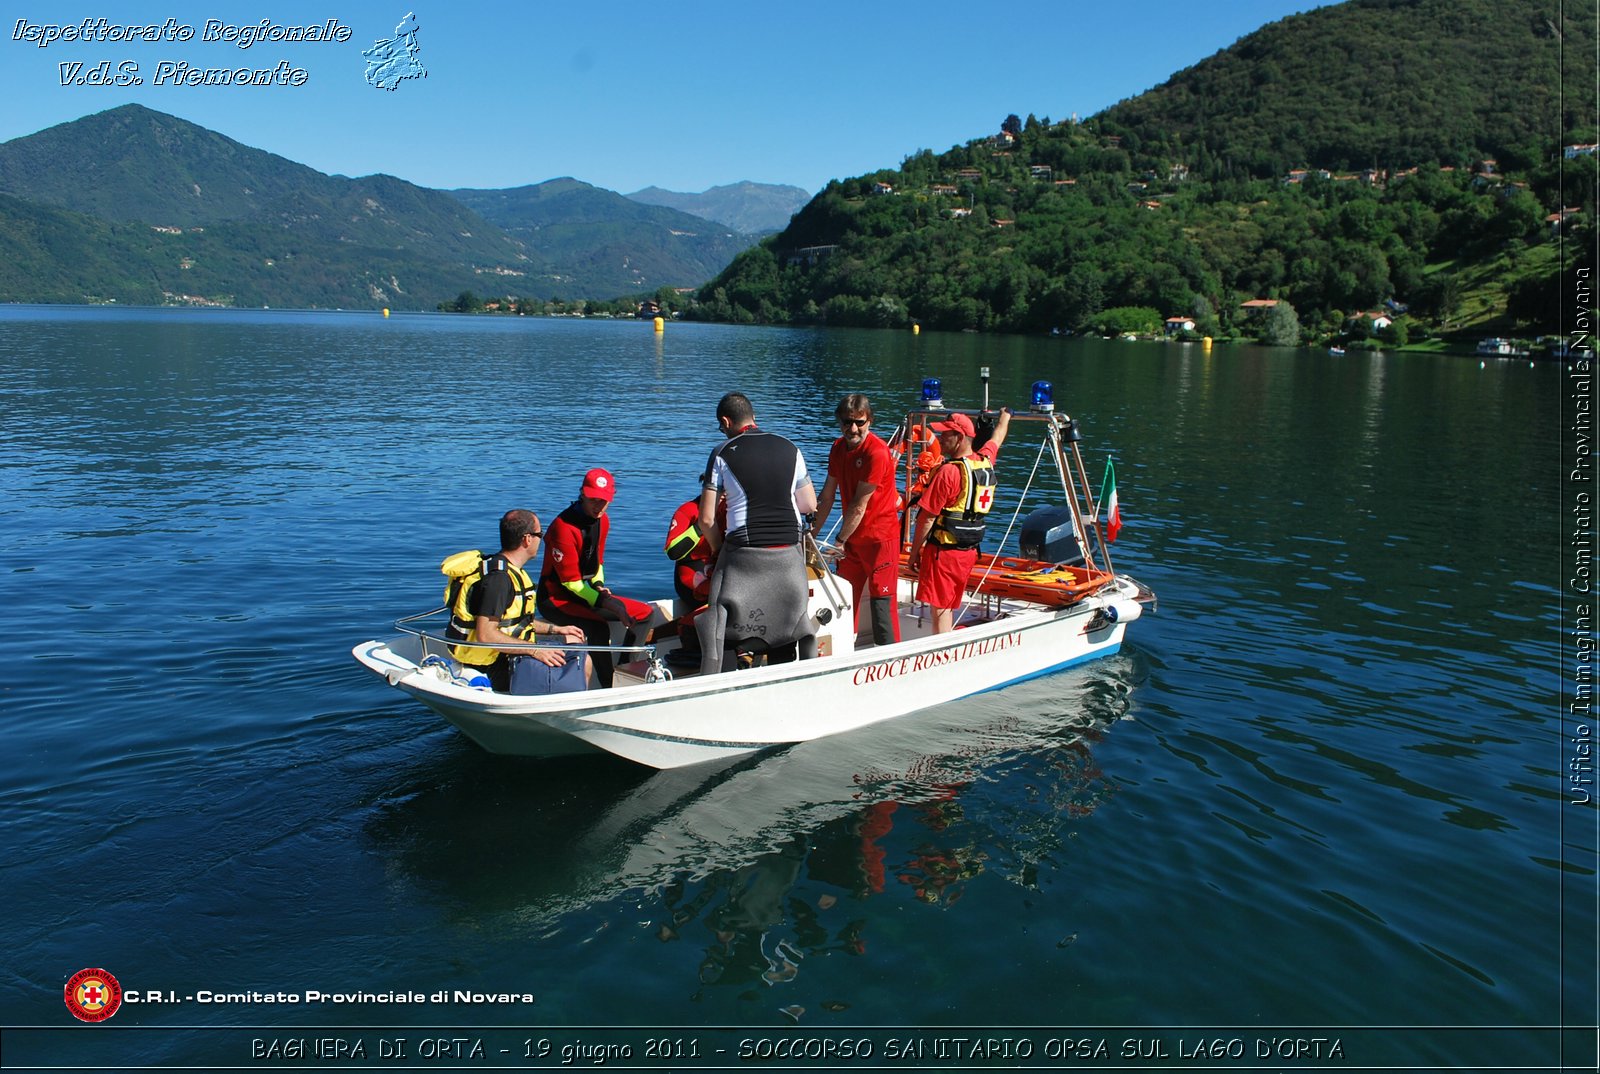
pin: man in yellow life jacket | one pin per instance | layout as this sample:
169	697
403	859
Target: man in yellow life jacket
951	517
491	602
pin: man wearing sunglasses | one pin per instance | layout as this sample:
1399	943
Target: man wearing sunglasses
495	607
862	470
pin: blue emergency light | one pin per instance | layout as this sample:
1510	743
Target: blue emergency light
932	392
1043	396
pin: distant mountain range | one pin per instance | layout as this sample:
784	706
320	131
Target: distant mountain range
595	243
136	206
752	208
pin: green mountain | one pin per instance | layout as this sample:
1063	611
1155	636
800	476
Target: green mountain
134	205
194	216
132	163
1235	181
753	208
591	242
1376	83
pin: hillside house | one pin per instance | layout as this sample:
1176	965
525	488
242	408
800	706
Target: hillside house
1179	324
1573	152
1558	220
1039	171
1372	320
882	188
1300	175
942	188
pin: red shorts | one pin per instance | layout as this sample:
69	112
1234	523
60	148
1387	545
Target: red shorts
942	574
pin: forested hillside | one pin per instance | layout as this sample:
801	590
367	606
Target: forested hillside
1161	208
1375	84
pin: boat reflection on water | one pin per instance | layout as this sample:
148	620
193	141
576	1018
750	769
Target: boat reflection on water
777	858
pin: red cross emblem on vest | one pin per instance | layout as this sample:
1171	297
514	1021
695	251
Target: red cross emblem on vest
984	496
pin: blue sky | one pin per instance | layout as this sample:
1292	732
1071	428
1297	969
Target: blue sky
626	95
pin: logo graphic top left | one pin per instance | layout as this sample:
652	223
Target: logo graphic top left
93	995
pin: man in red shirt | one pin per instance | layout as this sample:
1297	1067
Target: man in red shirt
950	522
572	585
861	468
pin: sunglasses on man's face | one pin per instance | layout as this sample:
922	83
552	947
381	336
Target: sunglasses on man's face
850	423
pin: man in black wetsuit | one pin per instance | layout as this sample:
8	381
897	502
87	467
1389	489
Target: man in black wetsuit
758	591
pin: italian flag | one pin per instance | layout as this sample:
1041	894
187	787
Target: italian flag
1108	496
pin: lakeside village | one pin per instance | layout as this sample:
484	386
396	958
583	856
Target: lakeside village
1263	320
1369	330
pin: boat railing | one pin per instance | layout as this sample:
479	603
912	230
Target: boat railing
444	642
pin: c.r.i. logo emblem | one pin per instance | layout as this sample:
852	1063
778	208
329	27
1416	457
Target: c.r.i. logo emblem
93	995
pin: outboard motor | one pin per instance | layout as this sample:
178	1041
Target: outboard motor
1048	536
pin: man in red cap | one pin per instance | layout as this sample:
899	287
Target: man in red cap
572	589
862	470
944	545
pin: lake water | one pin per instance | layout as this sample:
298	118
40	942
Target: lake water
1322	795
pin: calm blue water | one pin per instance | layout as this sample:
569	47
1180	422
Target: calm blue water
1320	794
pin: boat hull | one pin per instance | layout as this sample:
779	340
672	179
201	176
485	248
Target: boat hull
698	719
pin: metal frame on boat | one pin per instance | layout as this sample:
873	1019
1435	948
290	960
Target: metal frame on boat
1022	618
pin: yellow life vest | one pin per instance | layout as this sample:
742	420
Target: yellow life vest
961	524
465	570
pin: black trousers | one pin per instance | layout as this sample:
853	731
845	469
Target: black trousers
596	631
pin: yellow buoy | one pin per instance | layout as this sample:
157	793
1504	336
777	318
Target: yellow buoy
661	324
916	330
386	311
1205	341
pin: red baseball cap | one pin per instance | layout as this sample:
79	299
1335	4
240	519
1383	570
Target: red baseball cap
598	484
958	423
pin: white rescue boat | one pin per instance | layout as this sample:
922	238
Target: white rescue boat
1024	617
